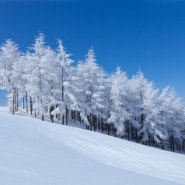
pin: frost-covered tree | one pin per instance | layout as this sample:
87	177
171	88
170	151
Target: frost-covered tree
118	101
18	73
65	78
9	57
36	82
172	117
144	110
92	88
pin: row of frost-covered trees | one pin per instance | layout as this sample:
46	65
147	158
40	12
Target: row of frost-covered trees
47	84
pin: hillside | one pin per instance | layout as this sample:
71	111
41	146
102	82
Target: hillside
33	152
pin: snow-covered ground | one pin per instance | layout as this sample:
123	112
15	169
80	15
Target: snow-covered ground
33	152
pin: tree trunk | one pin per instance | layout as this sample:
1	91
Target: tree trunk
23	102
66	115
17	105
62	119
26	102
50	112
62	84
102	125
108	129
13	102
31	105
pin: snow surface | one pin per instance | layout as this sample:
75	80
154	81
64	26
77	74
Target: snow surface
33	152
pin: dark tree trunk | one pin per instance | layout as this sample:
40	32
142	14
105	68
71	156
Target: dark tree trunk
17	105
108	129
137	139
90	121
23	102
74	112
50	112
66	115
102	125
13	102
63	119
172	144
62	81
132	132
31	105
26	102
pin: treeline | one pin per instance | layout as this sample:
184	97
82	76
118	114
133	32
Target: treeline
45	82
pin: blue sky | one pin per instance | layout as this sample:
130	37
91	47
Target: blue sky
134	34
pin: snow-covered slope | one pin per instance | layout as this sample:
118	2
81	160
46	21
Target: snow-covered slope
33	152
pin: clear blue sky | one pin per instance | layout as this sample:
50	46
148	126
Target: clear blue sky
145	34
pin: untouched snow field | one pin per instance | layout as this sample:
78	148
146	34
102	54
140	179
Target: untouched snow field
33	152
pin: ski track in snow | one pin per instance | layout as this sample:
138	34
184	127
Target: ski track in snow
33	152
